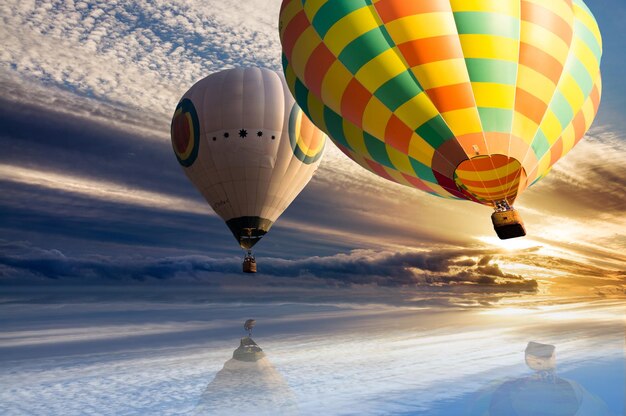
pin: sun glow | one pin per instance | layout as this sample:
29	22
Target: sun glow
604	311
509	311
511	244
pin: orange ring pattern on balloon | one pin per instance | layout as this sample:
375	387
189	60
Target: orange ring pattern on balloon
185	132
307	141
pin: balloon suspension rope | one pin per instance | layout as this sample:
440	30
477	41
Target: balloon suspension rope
502	206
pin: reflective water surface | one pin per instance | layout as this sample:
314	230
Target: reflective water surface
176	352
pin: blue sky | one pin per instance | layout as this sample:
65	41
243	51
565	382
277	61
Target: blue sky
610	15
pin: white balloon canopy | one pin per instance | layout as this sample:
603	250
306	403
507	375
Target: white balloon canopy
246	146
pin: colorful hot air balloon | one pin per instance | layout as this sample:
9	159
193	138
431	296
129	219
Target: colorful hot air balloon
247	147
465	99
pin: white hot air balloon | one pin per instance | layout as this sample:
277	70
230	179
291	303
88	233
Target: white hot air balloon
247	147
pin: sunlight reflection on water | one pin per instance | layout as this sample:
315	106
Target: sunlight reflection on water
159	357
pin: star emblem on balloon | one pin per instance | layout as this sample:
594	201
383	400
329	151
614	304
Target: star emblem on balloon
243	133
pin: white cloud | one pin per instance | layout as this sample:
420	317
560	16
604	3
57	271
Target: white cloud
100	190
102	332
136	55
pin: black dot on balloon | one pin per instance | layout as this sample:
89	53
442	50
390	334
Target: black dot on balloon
214	138
273	137
259	133
226	134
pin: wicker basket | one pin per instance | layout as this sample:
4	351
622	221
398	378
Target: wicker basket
508	224
249	265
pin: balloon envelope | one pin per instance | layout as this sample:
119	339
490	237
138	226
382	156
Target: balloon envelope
246	146
462	99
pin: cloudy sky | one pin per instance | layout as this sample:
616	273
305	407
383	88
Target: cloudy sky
104	242
92	191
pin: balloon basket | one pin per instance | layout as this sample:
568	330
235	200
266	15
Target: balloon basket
508	224
249	264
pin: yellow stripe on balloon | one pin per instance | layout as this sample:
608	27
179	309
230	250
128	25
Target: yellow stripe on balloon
375	117
489	94
507	7
438	190
586	57
524	127
464	121
441	73
290	11
312	151
354	137
545	40
543	167
589	112
497	192
311	7
380	69
334	84
490	47
589	22
400	161
421	26
350	27
561	8
416	111
535	83
421	150
316	111
569	138
551	126
304	47
572	92
397	176
290	77
488	175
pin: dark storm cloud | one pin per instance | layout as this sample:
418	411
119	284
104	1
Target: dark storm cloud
439	266
25	259
443	268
